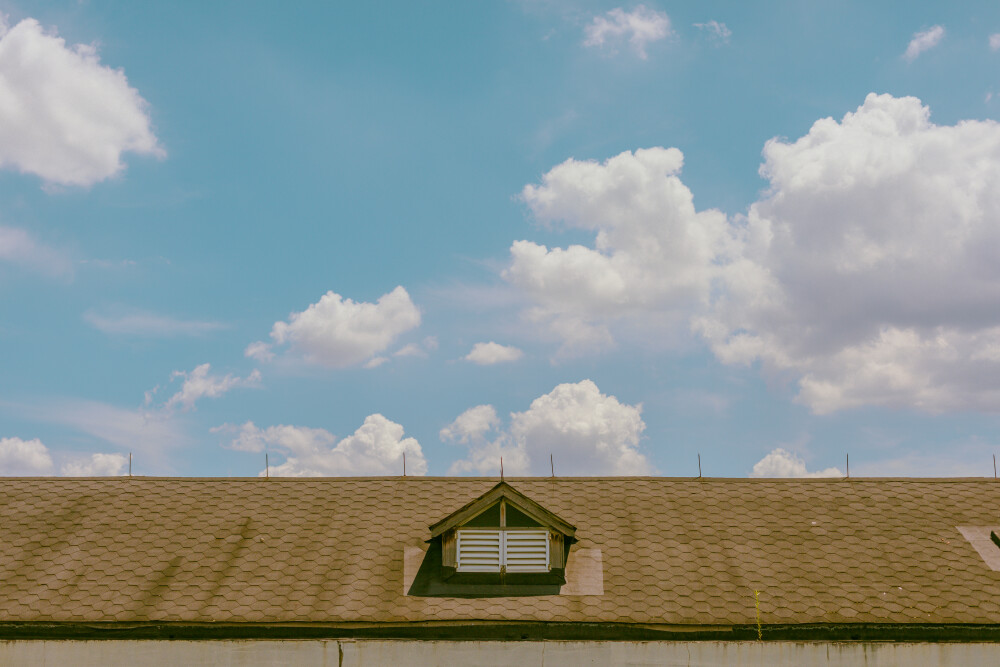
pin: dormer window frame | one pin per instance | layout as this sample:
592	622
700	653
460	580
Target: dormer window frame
559	534
475	553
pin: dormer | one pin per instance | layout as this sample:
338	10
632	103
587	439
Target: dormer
504	537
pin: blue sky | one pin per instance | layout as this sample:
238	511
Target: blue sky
620	234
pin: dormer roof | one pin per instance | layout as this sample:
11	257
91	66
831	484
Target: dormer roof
512	496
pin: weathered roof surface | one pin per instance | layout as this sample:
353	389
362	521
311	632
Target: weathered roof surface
331	550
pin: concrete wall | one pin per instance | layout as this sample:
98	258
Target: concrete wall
333	653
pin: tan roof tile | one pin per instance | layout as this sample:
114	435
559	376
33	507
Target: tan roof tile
331	550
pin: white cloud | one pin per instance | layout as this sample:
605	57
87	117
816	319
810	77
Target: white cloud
338	332
923	41
200	383
410	350
717	31
486	354
96	465
421	349
376	448
260	351
31	457
654	256
586	432
63	115
144	323
869	270
24	457
782	463
19	247
995	42
487	458
471	425
152	432
640	27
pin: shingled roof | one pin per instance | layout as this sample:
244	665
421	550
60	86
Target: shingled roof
328	554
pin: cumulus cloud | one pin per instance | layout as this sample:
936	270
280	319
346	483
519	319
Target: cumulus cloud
782	463
638	27
471	425
586	432
376	448
923	41
870	269
486	354
63	115
96	465
201	383
24	457
147	324
715	30
654	256
19	247
338	332
31	457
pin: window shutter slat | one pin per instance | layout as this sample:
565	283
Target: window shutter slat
485	550
526	550
479	550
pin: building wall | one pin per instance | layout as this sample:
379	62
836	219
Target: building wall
348	653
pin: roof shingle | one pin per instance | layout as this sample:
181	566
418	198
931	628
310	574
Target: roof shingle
675	551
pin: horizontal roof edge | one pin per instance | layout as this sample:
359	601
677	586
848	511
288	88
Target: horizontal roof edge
413	478
504	630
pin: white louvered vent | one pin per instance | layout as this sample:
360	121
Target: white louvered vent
514	550
479	550
526	550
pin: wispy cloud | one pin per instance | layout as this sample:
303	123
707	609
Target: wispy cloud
152	433
201	383
639	27
995	41
716	30
148	324
923	41
421	349
17	246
